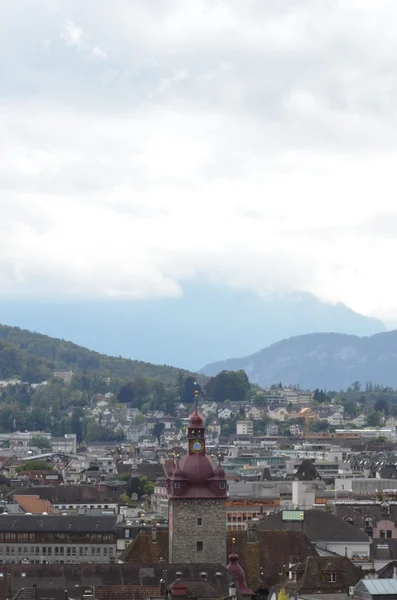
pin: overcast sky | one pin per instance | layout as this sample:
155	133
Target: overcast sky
250	142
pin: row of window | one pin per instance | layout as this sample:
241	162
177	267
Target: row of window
72	506
50	536
57	550
222	485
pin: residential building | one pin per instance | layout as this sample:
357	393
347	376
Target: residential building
245	428
328	532
255	413
328	575
60	539
336	419
66	376
272	429
360	420
225	413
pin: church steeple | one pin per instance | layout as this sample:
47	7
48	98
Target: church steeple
196	431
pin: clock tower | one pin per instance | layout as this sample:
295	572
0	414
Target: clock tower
197	492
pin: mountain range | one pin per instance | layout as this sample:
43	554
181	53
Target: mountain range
324	360
205	324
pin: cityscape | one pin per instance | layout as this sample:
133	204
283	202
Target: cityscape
198	307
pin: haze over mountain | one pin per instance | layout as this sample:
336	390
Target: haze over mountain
324	360
205	324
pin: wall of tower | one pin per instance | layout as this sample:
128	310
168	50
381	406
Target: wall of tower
185	532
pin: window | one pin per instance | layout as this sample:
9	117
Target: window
388	533
199	546
331	577
382	533
199	521
92	551
368	522
222	485
127	533
176	485
349	520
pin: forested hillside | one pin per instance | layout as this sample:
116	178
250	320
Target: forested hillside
61	407
33	357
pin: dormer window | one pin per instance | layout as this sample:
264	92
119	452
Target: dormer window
177	485
222	485
331	577
385	509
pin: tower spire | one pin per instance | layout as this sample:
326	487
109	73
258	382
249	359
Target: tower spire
196	395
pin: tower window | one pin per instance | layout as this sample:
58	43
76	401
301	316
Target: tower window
199	521
199	546
222	485
176	485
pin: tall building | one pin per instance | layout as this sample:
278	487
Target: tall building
197	492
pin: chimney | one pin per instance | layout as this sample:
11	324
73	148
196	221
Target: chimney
65	595
162	587
35	591
233	591
154	532
395	572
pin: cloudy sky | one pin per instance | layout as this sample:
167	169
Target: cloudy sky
149	142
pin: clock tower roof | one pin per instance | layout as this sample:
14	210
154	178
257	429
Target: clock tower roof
196	475
196	421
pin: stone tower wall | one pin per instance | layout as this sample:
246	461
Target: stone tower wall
185	532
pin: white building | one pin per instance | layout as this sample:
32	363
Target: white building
360	421
336	419
255	413
225	413
245	428
272	429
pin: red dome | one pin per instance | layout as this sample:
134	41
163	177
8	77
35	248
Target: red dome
197	468
196	421
219	472
235	569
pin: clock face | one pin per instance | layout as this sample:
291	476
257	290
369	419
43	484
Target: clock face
196	446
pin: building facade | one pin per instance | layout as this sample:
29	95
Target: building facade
57	539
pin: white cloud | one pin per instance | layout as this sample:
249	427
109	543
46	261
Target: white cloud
73	35
252	143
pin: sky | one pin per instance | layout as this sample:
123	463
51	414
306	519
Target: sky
148	143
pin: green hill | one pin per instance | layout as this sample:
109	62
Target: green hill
33	357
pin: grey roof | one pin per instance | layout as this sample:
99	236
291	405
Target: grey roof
377	587
57	523
318	526
71	494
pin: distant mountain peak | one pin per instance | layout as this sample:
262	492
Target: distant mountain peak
323	360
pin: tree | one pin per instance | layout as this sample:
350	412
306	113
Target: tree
40	442
139	419
147	486
126	392
158	430
382	404
228	385
34	466
356	386
373	419
282	595
190	385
